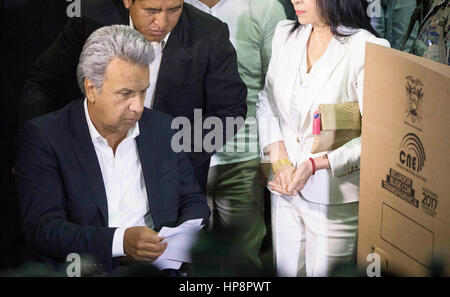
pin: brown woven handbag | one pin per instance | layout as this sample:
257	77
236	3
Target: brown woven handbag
339	123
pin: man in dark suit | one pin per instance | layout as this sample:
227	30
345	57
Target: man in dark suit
197	70
99	177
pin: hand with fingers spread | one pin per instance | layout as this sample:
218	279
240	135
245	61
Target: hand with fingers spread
143	244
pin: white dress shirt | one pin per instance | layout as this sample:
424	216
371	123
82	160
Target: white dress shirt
302	86
124	182
154	68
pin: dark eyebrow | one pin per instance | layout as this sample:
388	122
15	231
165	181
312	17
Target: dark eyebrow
152	9
157	9
176	7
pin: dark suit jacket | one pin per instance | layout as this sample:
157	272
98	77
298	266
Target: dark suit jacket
198	70
61	193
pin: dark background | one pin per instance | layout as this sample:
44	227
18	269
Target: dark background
27	28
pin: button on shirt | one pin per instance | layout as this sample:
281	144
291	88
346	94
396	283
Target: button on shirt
154	68
124	183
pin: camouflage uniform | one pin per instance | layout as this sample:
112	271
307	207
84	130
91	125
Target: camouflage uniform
432	40
390	18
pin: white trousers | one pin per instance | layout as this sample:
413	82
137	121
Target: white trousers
310	238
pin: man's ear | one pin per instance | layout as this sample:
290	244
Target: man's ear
127	3
90	90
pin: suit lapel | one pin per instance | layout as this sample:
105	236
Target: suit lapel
291	62
148	155
295	50
174	59
85	151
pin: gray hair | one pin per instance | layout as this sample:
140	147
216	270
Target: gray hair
107	43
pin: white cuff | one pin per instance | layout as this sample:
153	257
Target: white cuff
345	159
117	246
269	131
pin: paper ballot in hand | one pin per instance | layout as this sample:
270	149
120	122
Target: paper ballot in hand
179	243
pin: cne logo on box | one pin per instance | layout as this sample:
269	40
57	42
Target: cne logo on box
374	268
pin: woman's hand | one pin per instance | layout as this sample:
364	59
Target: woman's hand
301	176
281	180
304	171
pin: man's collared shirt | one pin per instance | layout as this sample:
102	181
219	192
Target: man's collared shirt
154	68
124	182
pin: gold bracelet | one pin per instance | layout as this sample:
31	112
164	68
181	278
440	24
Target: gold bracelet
276	165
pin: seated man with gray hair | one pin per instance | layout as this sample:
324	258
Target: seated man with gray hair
99	176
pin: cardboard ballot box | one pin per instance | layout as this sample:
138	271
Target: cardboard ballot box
404	211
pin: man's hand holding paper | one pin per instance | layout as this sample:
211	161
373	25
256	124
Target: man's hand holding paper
179	242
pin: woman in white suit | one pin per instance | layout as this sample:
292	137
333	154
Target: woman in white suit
315	60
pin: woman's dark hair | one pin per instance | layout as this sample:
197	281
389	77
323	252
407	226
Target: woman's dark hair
347	13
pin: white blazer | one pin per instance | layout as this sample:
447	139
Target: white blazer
342	81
